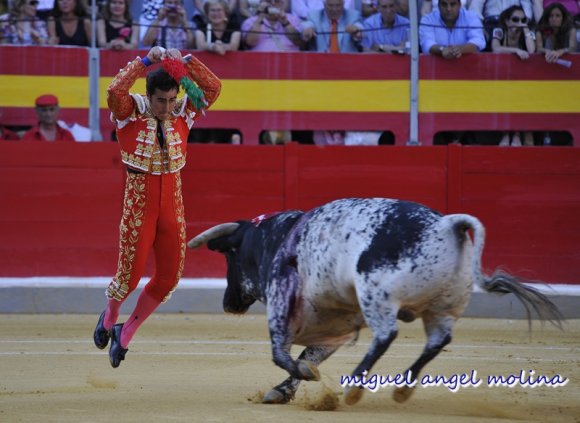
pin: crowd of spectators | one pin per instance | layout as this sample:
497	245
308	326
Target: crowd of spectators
448	28
374	26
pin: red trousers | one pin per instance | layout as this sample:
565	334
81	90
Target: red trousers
153	217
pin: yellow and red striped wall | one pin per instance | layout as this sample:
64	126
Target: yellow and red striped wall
302	91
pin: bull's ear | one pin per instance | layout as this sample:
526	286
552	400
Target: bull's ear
222	244
227	243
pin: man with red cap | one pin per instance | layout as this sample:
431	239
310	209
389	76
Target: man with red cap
152	131
47	128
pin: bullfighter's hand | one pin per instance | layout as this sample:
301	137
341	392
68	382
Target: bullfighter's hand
173	53
156	54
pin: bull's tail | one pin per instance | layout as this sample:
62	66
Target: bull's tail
501	282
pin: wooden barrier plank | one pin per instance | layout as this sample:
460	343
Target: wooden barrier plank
63	211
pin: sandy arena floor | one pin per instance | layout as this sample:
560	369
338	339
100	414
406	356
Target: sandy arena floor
215	368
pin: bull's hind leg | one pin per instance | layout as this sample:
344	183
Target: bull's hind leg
381	318
438	329
285	391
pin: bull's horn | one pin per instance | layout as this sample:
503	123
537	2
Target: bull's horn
211	233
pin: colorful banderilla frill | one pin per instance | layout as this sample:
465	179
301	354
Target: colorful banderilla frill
176	69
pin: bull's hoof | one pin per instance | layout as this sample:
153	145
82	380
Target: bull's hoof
353	394
308	371
275	397
403	393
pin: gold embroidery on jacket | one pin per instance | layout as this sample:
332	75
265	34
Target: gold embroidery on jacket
149	156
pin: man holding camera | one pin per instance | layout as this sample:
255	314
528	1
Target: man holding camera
272	29
171	28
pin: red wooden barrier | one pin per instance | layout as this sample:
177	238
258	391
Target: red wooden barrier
61	203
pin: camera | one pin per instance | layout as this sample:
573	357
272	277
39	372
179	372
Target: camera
273	10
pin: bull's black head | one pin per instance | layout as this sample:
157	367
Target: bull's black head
240	293
250	249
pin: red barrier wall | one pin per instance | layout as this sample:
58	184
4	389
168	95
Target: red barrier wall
61	204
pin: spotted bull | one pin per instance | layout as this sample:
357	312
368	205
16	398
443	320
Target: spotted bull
354	263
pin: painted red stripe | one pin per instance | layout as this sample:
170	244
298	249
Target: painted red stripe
60	61
487	66
293	66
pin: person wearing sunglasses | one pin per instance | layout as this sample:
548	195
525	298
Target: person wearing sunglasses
512	35
490	10
21	26
556	34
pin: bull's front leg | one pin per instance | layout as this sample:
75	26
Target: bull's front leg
281	343
284	392
284	308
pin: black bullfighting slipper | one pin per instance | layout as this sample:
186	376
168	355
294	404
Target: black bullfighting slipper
116	352
101	335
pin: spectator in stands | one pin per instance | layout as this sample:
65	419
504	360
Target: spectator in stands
47	129
45	9
302	8
429	5
248	8
149	11
451	31
224	34
272	29
368	7
170	29
489	10
556	34
386	31
336	29
69	25
202	16
403	7
572	6
22	26
514	36
116	30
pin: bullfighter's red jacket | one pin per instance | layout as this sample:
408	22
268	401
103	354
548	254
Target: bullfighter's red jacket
137	128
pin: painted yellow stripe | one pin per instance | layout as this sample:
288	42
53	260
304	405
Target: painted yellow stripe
315	96
331	96
247	95
20	91
499	96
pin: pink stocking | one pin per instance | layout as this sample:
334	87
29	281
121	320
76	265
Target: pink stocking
112	313
145	306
